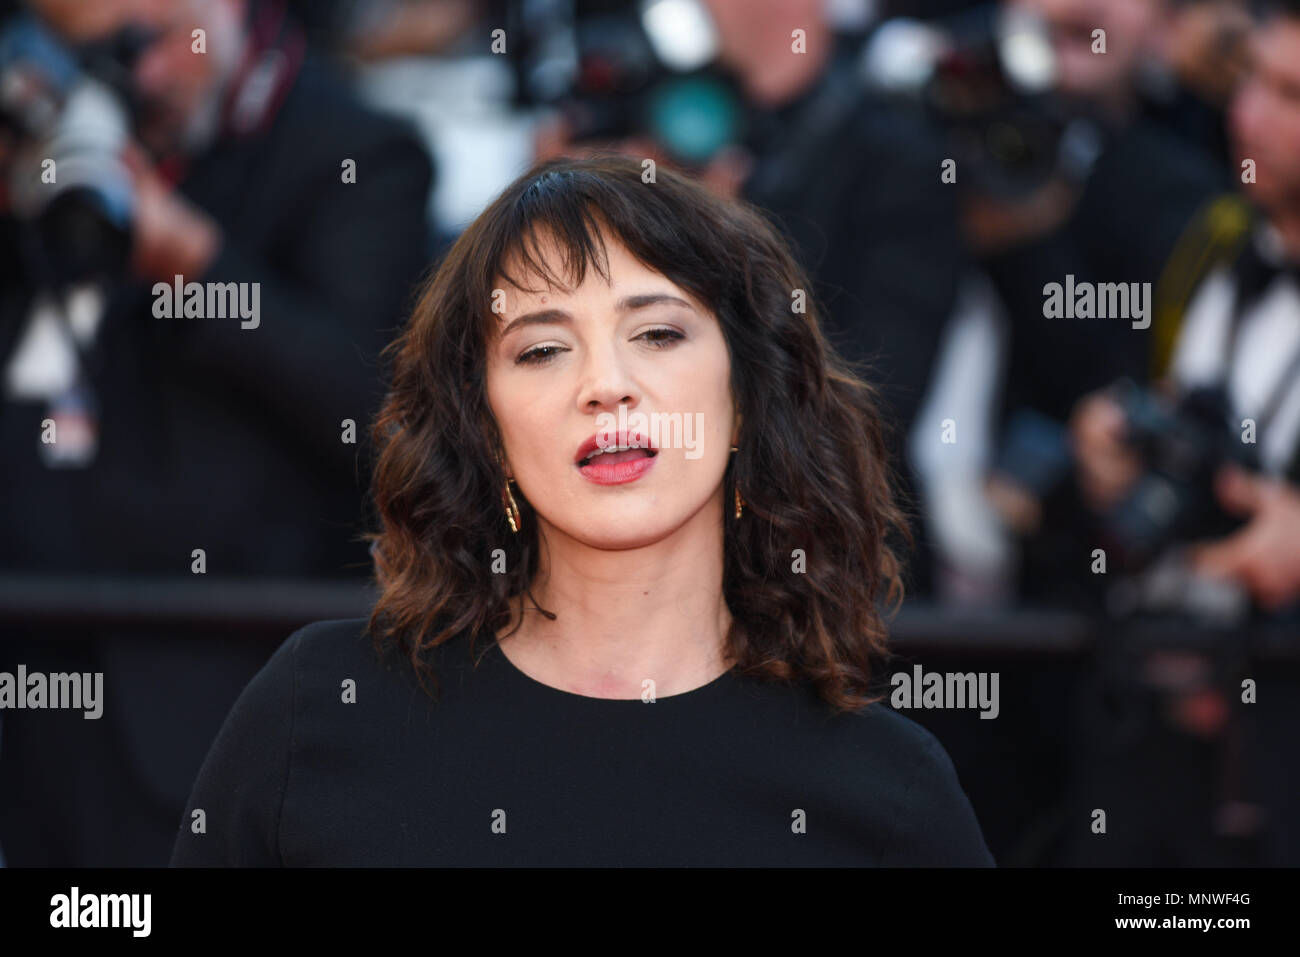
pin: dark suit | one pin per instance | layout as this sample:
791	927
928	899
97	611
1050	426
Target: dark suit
213	437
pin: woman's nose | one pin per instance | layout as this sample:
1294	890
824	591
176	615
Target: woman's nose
607	383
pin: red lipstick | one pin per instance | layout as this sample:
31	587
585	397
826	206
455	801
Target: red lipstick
610	458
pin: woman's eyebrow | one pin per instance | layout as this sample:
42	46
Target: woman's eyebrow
541	317
626	304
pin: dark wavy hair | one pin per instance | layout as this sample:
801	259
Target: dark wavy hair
811	466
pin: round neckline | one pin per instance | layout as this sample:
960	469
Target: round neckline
522	677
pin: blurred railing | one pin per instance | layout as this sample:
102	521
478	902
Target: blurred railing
65	605
272	605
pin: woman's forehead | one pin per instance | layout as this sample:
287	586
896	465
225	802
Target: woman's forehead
550	272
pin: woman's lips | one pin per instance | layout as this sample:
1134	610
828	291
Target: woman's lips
616	468
615	458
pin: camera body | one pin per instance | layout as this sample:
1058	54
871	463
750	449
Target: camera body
1183	444
64	129
614	70
986	75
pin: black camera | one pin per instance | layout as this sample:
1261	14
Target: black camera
613	69
64	119
1182	443
986	75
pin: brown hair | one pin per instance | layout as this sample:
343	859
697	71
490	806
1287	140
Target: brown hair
811	464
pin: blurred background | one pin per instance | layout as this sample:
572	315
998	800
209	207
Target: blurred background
1107	509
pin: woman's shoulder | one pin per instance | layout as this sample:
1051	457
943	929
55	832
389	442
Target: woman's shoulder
307	696
908	767
329	642
332	658
927	763
936	823
877	727
888	726
882	738
306	650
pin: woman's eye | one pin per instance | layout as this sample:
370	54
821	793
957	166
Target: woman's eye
658	338
661	338
538	355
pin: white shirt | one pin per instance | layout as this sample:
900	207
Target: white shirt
1269	340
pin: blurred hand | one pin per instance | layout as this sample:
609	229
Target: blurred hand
1202	712
1018	508
1264	556
726	173
1209	48
172	235
1107	466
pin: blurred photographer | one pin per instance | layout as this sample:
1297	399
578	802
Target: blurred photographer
1236	349
1073	164
150	146
1196	483
1071	170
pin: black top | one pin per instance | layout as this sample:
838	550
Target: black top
505	770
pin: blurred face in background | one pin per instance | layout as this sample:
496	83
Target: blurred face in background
1265	114
1132	31
755	43
179	90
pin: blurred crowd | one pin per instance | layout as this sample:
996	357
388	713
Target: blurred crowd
1061	236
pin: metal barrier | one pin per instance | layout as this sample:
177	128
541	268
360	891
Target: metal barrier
266	604
277	606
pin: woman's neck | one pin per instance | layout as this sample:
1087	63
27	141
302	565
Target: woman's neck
622	617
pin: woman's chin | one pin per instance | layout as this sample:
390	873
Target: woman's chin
623	530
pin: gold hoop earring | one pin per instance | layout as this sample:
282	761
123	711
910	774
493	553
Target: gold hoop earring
513	515
739	504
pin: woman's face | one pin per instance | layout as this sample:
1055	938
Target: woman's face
636	364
